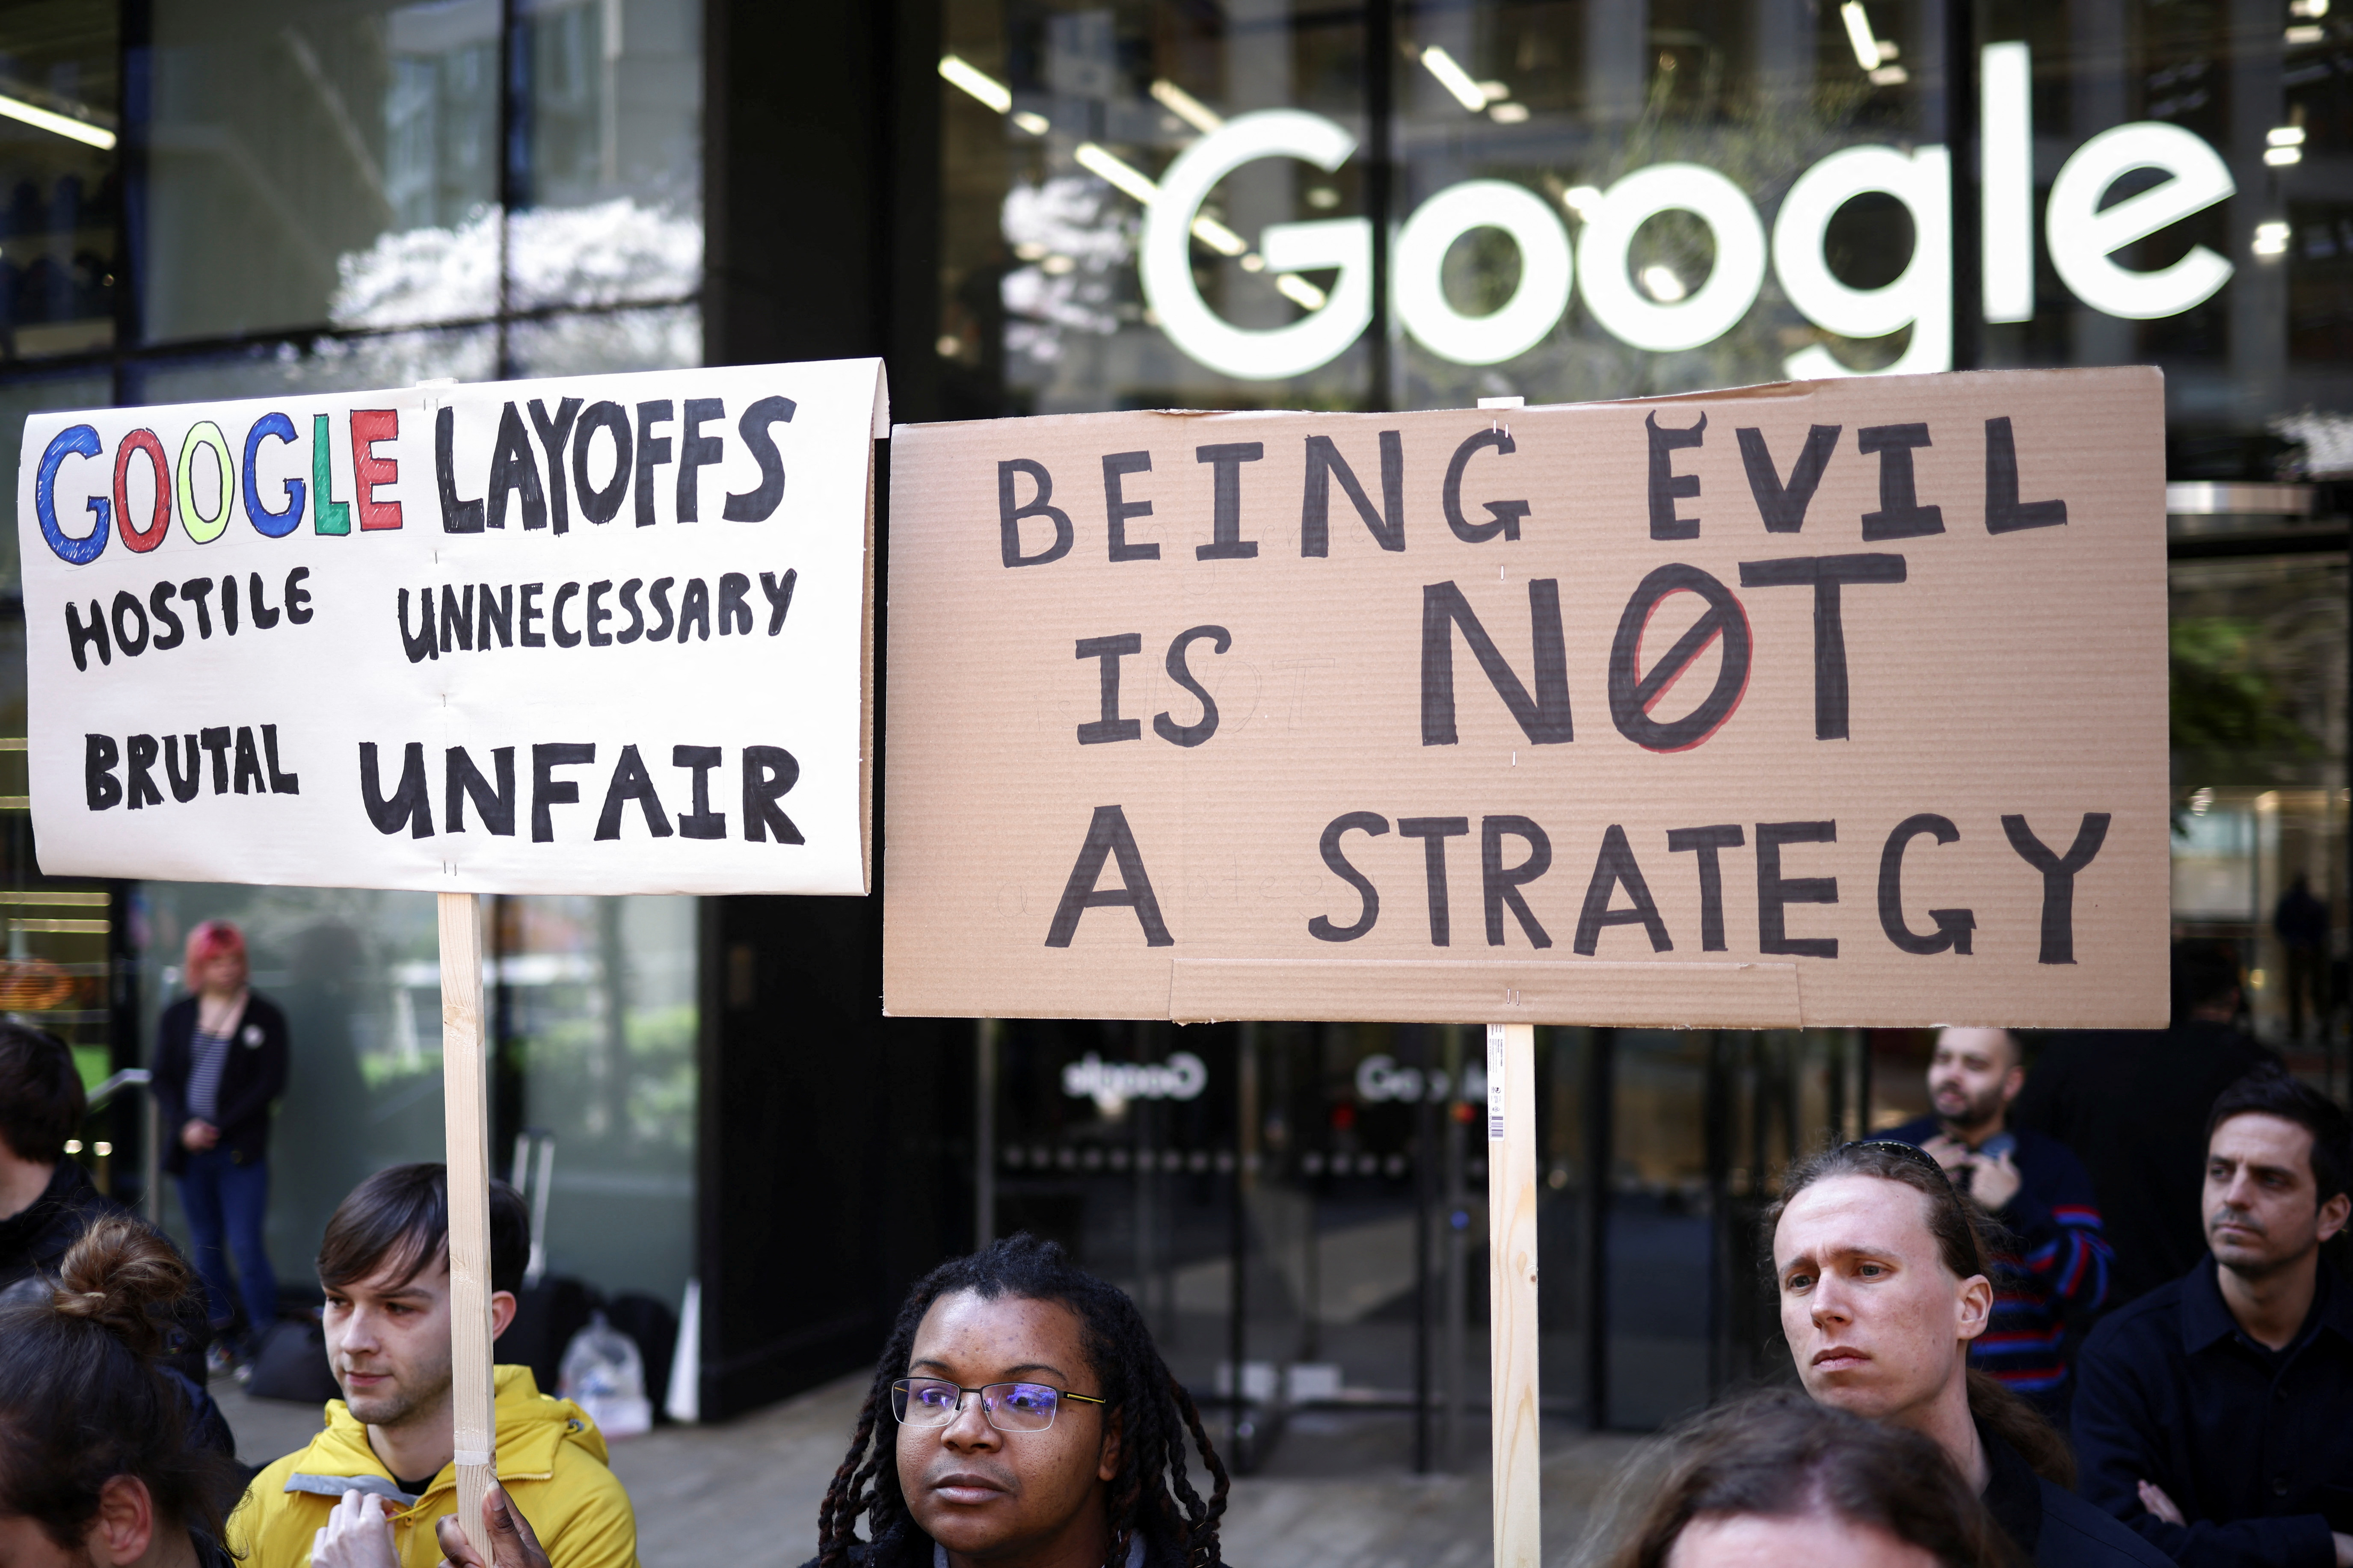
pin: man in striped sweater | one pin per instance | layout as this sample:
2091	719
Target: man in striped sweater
2055	1278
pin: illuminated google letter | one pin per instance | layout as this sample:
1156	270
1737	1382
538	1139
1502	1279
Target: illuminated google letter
2082	234
1346	243
1535	305
1921	298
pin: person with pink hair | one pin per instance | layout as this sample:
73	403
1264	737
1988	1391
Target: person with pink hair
220	1061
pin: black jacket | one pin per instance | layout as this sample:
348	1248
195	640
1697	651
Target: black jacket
33	1246
2051	1524
2132	1105
905	1546
254	1075
2255	1447
33	1243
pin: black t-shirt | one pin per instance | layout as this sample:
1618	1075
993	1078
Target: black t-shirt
415	1488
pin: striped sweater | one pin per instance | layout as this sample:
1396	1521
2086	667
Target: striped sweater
2057	1273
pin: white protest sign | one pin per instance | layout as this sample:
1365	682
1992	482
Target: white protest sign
587	634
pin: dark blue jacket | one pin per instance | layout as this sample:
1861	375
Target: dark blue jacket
2052	1526
2254	1448
2059	1274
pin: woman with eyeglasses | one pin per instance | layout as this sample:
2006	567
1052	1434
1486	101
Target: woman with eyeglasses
1022	1416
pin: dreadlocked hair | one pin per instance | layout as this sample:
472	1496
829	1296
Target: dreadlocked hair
1151	1495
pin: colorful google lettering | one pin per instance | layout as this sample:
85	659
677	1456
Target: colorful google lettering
202	494
201	487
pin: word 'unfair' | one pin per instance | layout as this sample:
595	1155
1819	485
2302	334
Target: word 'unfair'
768	773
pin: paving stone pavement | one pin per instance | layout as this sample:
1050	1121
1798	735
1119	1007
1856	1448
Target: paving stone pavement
1336	1494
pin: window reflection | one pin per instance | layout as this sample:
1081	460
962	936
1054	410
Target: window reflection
59	179
1057	125
593	343
2258	651
347	966
595	999
595	1004
288	138
343	167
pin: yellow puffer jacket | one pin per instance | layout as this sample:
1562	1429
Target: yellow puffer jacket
551	1460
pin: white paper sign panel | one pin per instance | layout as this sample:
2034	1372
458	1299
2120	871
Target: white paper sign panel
609	698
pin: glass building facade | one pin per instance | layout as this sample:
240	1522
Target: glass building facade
217	200
1033	206
1163	206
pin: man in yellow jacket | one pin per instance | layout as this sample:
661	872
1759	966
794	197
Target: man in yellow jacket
388	1442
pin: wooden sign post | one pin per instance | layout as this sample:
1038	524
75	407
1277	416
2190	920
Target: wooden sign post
466	1109
438	670
1516	1427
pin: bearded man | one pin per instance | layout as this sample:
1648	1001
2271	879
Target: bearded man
2055	1275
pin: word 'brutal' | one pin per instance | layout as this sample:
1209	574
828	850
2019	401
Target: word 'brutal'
255	770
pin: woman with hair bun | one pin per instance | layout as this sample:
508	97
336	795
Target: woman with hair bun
99	1460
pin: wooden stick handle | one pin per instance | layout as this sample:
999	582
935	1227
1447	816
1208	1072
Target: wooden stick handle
466	1093
1512	1290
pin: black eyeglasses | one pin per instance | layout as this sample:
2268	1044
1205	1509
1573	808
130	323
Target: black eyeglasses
1008	1406
1900	1150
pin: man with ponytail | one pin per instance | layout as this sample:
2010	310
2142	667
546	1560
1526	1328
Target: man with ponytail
1881	1269
1021	1418
98	1461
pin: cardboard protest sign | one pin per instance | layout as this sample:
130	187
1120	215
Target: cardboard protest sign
590	634
1829	703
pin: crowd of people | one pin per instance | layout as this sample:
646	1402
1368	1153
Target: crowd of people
1986	1374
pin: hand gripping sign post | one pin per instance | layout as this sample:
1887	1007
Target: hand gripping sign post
1839	703
589	635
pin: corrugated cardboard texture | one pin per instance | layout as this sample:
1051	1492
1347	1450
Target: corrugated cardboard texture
1904	816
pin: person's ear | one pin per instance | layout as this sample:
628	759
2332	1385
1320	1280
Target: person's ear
2013	1082
1975	1306
1107	1466
125	1523
2333	1214
502	1311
